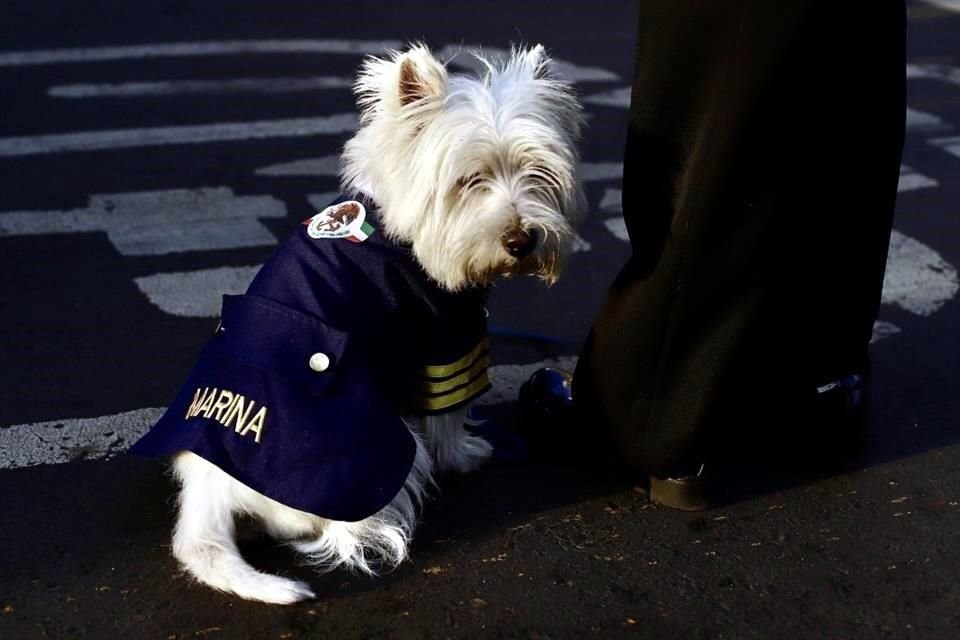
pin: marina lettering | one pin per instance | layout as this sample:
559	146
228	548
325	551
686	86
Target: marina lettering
228	407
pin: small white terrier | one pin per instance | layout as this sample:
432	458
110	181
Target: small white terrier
477	178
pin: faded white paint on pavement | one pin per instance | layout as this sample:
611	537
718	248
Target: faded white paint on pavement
917	279
951	145
618	228
194	87
911	180
610	205
580	244
187	134
616	98
882	330
195	294
460	55
192	49
595	171
942	72
159	222
923	121
611	201
330	165
57	441
949	5
322	166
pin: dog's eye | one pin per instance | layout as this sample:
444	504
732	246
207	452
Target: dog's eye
468	182
545	176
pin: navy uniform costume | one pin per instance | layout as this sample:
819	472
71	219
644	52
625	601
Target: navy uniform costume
300	392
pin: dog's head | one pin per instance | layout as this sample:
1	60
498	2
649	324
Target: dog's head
478	174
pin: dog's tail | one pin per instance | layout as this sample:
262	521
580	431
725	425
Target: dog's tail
203	540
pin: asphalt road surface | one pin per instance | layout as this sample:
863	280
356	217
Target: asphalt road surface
153	154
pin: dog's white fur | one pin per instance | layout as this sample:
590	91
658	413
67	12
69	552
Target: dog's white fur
454	163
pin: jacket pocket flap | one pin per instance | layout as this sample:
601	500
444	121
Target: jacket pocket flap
292	345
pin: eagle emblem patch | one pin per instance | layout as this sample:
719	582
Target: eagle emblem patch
347	220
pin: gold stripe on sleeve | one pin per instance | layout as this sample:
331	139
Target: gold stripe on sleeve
444	370
455	397
429	386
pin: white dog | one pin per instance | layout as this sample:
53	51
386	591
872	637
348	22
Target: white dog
340	382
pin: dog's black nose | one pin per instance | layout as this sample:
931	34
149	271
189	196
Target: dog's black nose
519	242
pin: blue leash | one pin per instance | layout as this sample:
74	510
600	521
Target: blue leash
506	332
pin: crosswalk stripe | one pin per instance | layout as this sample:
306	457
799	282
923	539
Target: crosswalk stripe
950	144
949	5
195	87
911	180
58	441
195	294
159	222
188	134
183	49
323	166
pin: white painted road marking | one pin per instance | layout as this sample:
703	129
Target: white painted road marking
458	54
949	5
193	87
579	244
883	330
595	171
923	121
611	201
610	205
188	134
195	294
461	56
323	166
330	165
159	222
58	441
942	72
618	228
616	98
910	180
917	279
951	145
182	49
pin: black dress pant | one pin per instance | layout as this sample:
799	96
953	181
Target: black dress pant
760	177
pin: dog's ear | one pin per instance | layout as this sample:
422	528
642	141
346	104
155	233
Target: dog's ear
421	76
536	61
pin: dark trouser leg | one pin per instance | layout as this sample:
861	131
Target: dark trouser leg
759	185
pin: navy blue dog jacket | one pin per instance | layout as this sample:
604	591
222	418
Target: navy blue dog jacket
300	391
